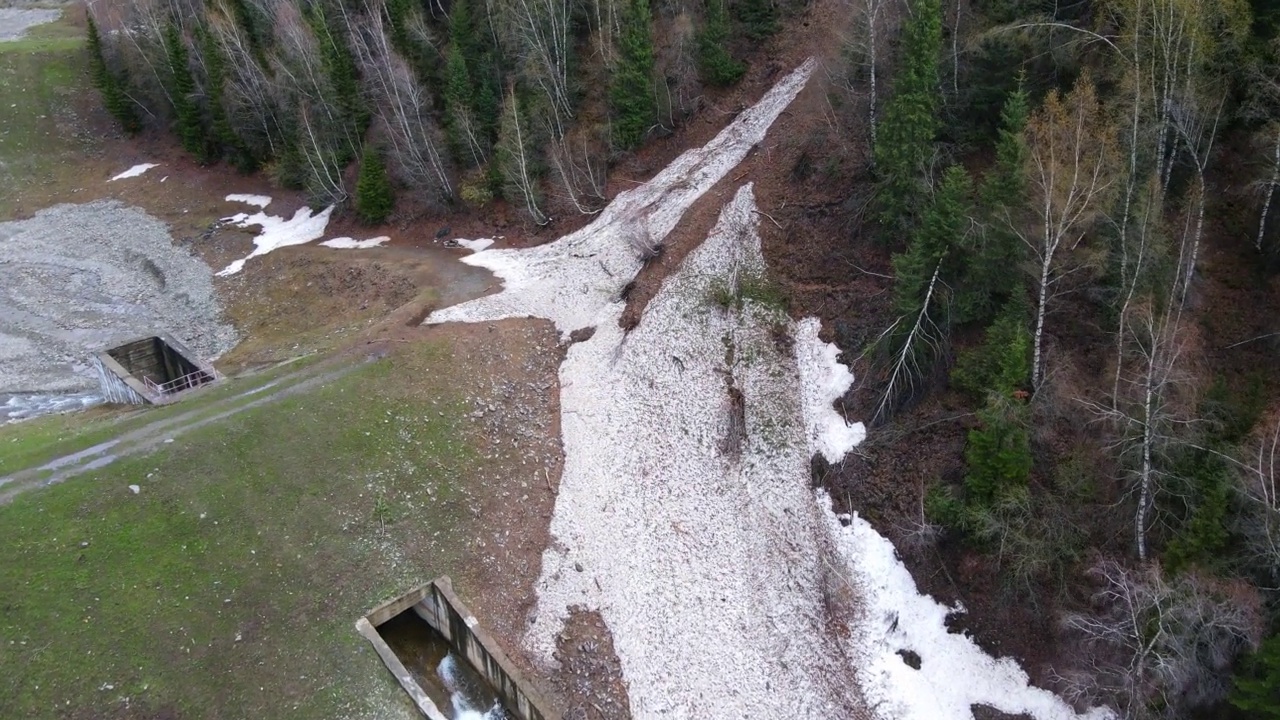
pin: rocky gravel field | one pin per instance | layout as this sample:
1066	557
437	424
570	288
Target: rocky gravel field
76	278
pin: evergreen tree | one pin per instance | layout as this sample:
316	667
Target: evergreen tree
631	94
715	64
988	280
374	194
183	87
221	133
759	18
910	125
111	87
470	74
1002	363
998	453
340	69
942	225
1257	690
419	54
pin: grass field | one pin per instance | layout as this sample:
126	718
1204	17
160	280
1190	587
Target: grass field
40	75
229	585
35	442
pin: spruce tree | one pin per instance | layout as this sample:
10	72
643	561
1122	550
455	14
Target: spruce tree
942	225
111	87
716	65
759	18
419	54
340	69
471	78
374	194
631	95
997	248
1257	685
998	453
222	135
910	124
182	89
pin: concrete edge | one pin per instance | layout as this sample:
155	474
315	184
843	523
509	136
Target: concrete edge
397	668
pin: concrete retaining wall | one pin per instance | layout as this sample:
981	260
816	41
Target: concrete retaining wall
440	608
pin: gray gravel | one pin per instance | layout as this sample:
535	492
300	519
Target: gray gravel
14	22
76	278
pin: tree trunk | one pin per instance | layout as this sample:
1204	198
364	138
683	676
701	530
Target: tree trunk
1271	189
1036	372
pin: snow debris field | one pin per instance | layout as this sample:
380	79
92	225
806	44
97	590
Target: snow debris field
15	22
76	278
134	171
685	514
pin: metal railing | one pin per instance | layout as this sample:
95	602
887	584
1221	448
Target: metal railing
186	382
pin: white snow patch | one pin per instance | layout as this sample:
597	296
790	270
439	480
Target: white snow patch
823	379
347	243
954	672
475	245
570	280
134	171
277	232
258	200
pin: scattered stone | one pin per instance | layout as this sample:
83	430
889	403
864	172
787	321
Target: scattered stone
135	489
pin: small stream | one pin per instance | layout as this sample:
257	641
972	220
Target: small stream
24	406
448	680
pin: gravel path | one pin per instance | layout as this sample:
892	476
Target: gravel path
14	22
76	278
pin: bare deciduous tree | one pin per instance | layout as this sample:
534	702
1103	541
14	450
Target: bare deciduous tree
402	106
537	31
515	148
1158	646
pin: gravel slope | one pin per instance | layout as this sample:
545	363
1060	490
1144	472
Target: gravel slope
75	278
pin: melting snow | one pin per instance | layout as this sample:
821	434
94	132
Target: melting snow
134	171
685	514
475	245
258	200
278	232
353	244
822	381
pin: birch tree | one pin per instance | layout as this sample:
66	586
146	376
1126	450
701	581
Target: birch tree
1069	158
402	107
873	20
515	152
537	33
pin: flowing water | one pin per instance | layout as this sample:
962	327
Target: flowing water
448	680
23	406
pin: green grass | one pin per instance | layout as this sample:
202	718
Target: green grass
278	526
35	442
39	77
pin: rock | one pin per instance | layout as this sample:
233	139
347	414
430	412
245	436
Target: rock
135	489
